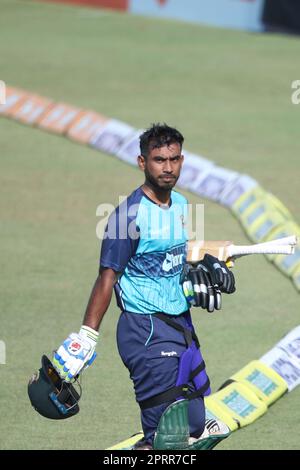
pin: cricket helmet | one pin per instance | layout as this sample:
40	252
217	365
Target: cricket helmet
51	396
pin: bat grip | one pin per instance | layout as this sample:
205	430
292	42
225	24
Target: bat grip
290	240
264	249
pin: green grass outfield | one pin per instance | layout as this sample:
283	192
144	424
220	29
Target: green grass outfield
230	94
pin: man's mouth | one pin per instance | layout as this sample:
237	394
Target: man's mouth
168	177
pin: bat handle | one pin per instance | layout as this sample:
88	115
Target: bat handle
230	262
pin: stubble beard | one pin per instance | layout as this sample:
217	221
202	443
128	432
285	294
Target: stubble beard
164	186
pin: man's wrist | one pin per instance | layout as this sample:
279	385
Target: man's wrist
89	334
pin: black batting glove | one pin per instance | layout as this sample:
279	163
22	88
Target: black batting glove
219	273
199	290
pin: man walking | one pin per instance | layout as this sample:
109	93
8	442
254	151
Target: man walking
143	259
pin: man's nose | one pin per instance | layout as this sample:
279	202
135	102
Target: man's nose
168	167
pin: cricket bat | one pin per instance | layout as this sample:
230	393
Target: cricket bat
228	252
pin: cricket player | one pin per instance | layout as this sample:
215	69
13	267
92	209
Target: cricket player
143	259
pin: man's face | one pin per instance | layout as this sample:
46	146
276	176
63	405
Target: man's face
162	166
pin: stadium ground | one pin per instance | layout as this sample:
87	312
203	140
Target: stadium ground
229	93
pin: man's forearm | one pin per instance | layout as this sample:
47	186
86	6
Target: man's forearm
99	299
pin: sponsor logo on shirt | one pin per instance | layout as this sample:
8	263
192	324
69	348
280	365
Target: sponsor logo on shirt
171	261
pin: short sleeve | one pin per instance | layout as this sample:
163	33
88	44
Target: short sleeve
121	239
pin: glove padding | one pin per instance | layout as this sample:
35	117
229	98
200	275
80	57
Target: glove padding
76	353
219	273
199	289
202	285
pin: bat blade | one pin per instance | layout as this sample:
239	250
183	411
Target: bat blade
217	248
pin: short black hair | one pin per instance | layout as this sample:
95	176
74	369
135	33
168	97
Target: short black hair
159	135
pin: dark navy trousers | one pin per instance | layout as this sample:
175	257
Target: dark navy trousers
151	349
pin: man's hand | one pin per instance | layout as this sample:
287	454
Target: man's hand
76	353
202	285
199	289
219	273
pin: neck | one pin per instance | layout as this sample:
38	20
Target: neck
160	196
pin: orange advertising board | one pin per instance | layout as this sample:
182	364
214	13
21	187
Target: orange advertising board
14	97
32	108
59	118
114	4
85	126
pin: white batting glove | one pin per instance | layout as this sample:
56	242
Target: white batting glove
76	353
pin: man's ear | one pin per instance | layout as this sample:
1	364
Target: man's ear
141	162
181	161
